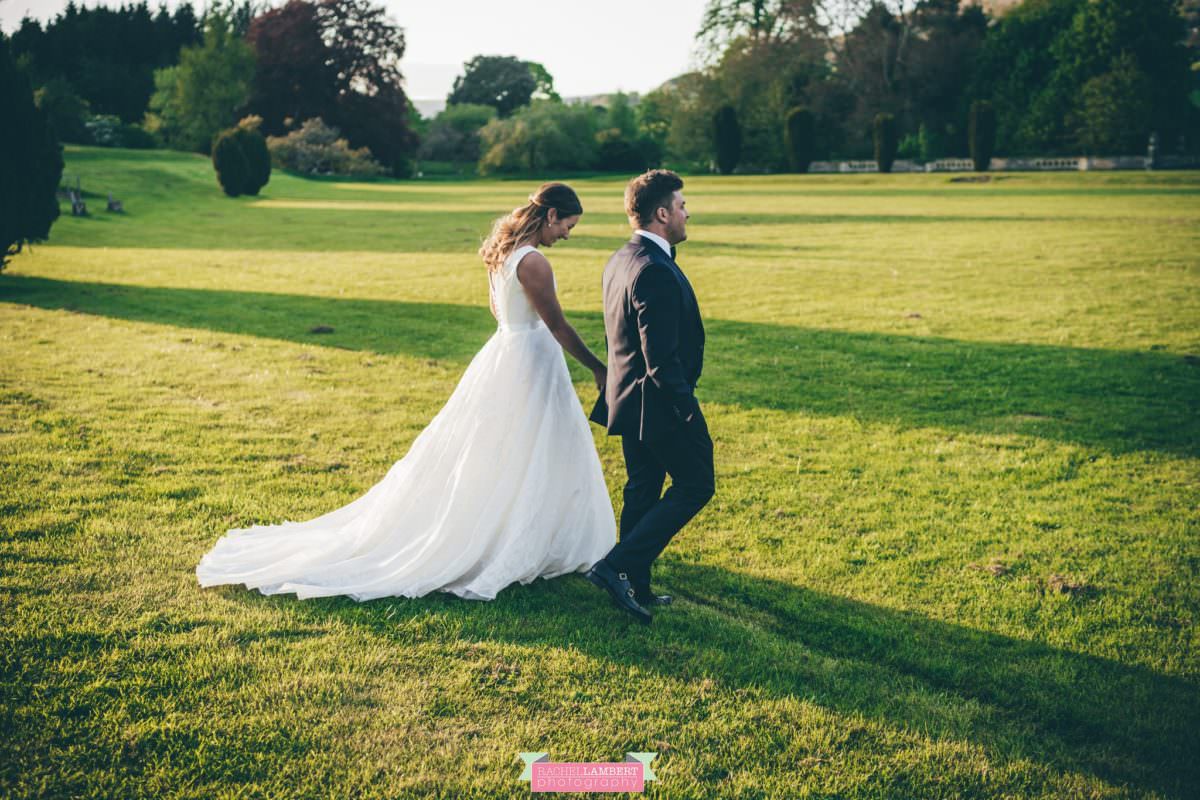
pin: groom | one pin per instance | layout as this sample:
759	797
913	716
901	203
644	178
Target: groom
655	352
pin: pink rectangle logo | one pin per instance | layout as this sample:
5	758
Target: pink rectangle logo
629	775
581	776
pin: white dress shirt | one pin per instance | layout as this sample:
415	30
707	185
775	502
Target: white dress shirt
658	240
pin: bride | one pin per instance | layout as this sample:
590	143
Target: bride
504	484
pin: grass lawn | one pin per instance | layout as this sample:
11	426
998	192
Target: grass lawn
953	551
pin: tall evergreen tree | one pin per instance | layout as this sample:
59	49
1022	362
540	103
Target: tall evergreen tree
31	162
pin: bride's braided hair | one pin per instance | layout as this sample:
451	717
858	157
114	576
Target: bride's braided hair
521	224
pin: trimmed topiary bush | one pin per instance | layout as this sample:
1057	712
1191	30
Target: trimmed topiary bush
800	135
233	169
31	163
886	141
981	134
258	157
242	161
727	134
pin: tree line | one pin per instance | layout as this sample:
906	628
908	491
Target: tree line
128	77
786	82
782	82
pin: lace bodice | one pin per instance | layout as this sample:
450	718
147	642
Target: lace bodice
512	305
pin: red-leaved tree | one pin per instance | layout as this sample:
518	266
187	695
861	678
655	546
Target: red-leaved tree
338	60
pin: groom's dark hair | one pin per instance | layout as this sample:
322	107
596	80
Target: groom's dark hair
649	192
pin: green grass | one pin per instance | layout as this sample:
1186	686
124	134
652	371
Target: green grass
928	400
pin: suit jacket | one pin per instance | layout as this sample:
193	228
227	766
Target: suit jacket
655	343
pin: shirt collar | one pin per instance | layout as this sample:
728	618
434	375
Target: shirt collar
658	240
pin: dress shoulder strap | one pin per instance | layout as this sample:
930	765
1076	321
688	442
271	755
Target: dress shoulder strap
514	258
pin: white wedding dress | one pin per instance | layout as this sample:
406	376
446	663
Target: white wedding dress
504	485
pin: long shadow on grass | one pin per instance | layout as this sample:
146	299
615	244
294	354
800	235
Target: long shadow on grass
240	225
1017	699
1116	400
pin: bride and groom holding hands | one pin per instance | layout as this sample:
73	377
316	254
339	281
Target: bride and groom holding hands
505	484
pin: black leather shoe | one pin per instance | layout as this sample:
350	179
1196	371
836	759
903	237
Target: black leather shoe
650	600
619	589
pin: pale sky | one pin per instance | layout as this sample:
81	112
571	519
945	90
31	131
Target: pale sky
589	48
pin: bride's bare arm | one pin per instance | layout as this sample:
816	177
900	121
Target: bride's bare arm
537	279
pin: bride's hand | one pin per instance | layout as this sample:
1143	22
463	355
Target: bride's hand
601	376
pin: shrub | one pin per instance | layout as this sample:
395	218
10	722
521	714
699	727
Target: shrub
886	141
258	157
543	135
800	135
318	149
727	134
107	130
230	162
981	134
617	153
31	163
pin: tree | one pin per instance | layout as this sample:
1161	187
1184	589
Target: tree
1114	111
65	111
620	115
31	163
338	60
886	141
292	80
761	21
107	55
1138	51
801	138
205	92
544	135
727	134
677	118
544	82
982	134
365	47
454	134
503	82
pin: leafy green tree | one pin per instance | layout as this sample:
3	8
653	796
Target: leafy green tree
1114	111
204	94
504	82
544	135
1137	52
453	135
107	53
543	82
621	116
31	163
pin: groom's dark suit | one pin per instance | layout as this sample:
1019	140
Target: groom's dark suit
655	354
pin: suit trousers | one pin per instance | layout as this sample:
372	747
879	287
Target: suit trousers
650	518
